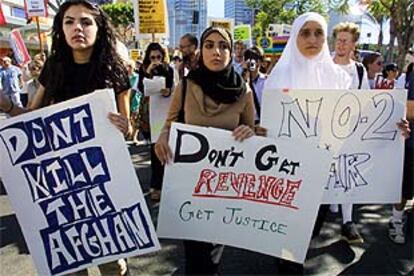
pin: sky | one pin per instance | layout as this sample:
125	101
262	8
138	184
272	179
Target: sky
215	8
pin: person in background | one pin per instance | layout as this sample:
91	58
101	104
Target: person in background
238	60
388	78
11	81
266	65
216	96
253	58
154	64
403	79
346	36
373	63
83	59
35	67
176	63
188	47
135	99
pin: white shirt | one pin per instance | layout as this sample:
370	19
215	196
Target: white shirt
352	71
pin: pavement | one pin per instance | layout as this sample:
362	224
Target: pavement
328	254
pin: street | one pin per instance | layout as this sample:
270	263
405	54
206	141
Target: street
327	255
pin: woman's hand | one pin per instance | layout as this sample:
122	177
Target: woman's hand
404	126
260	131
162	149
120	122
165	92
242	132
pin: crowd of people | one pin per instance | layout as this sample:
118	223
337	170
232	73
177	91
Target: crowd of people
211	81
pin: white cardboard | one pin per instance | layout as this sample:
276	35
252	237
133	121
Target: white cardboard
203	212
359	127
107	175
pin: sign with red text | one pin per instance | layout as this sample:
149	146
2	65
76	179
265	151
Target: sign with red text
74	191
359	127
259	194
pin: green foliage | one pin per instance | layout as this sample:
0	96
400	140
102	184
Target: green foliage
121	14
277	12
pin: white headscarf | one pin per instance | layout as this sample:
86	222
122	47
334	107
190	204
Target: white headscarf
294	71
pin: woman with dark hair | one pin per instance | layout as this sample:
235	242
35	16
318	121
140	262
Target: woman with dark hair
154	65
83	58
216	96
388	78
373	62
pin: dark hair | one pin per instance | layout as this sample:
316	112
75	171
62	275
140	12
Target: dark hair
153	46
370	58
191	38
254	53
106	65
389	67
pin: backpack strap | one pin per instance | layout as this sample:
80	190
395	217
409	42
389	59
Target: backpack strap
360	70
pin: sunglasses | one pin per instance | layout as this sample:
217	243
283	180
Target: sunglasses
155	57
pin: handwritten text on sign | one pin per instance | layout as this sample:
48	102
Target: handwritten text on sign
254	195
359	127
66	192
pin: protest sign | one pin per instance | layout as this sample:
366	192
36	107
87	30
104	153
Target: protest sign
71	182
243	33
225	23
35	8
259	194
150	19
359	127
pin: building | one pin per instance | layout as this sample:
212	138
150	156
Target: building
186	16
15	16
239	11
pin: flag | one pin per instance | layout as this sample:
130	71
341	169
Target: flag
2	17
19	48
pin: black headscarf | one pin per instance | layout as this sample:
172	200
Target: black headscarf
225	86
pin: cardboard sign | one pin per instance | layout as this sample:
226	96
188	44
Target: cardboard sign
260	194
243	33
70	180
35	8
150	18
225	23
359	127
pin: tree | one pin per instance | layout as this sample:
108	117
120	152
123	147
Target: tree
276	12
401	26
401	15
378	15
122	16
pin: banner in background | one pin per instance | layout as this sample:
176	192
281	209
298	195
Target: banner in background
151	19
243	33
35	8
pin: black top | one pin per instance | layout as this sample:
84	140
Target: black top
163	70
77	81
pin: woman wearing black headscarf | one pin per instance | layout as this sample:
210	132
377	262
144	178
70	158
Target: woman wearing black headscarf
216	96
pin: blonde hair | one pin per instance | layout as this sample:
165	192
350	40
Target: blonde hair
348	27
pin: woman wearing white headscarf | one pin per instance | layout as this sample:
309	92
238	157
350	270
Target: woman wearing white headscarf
306	62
